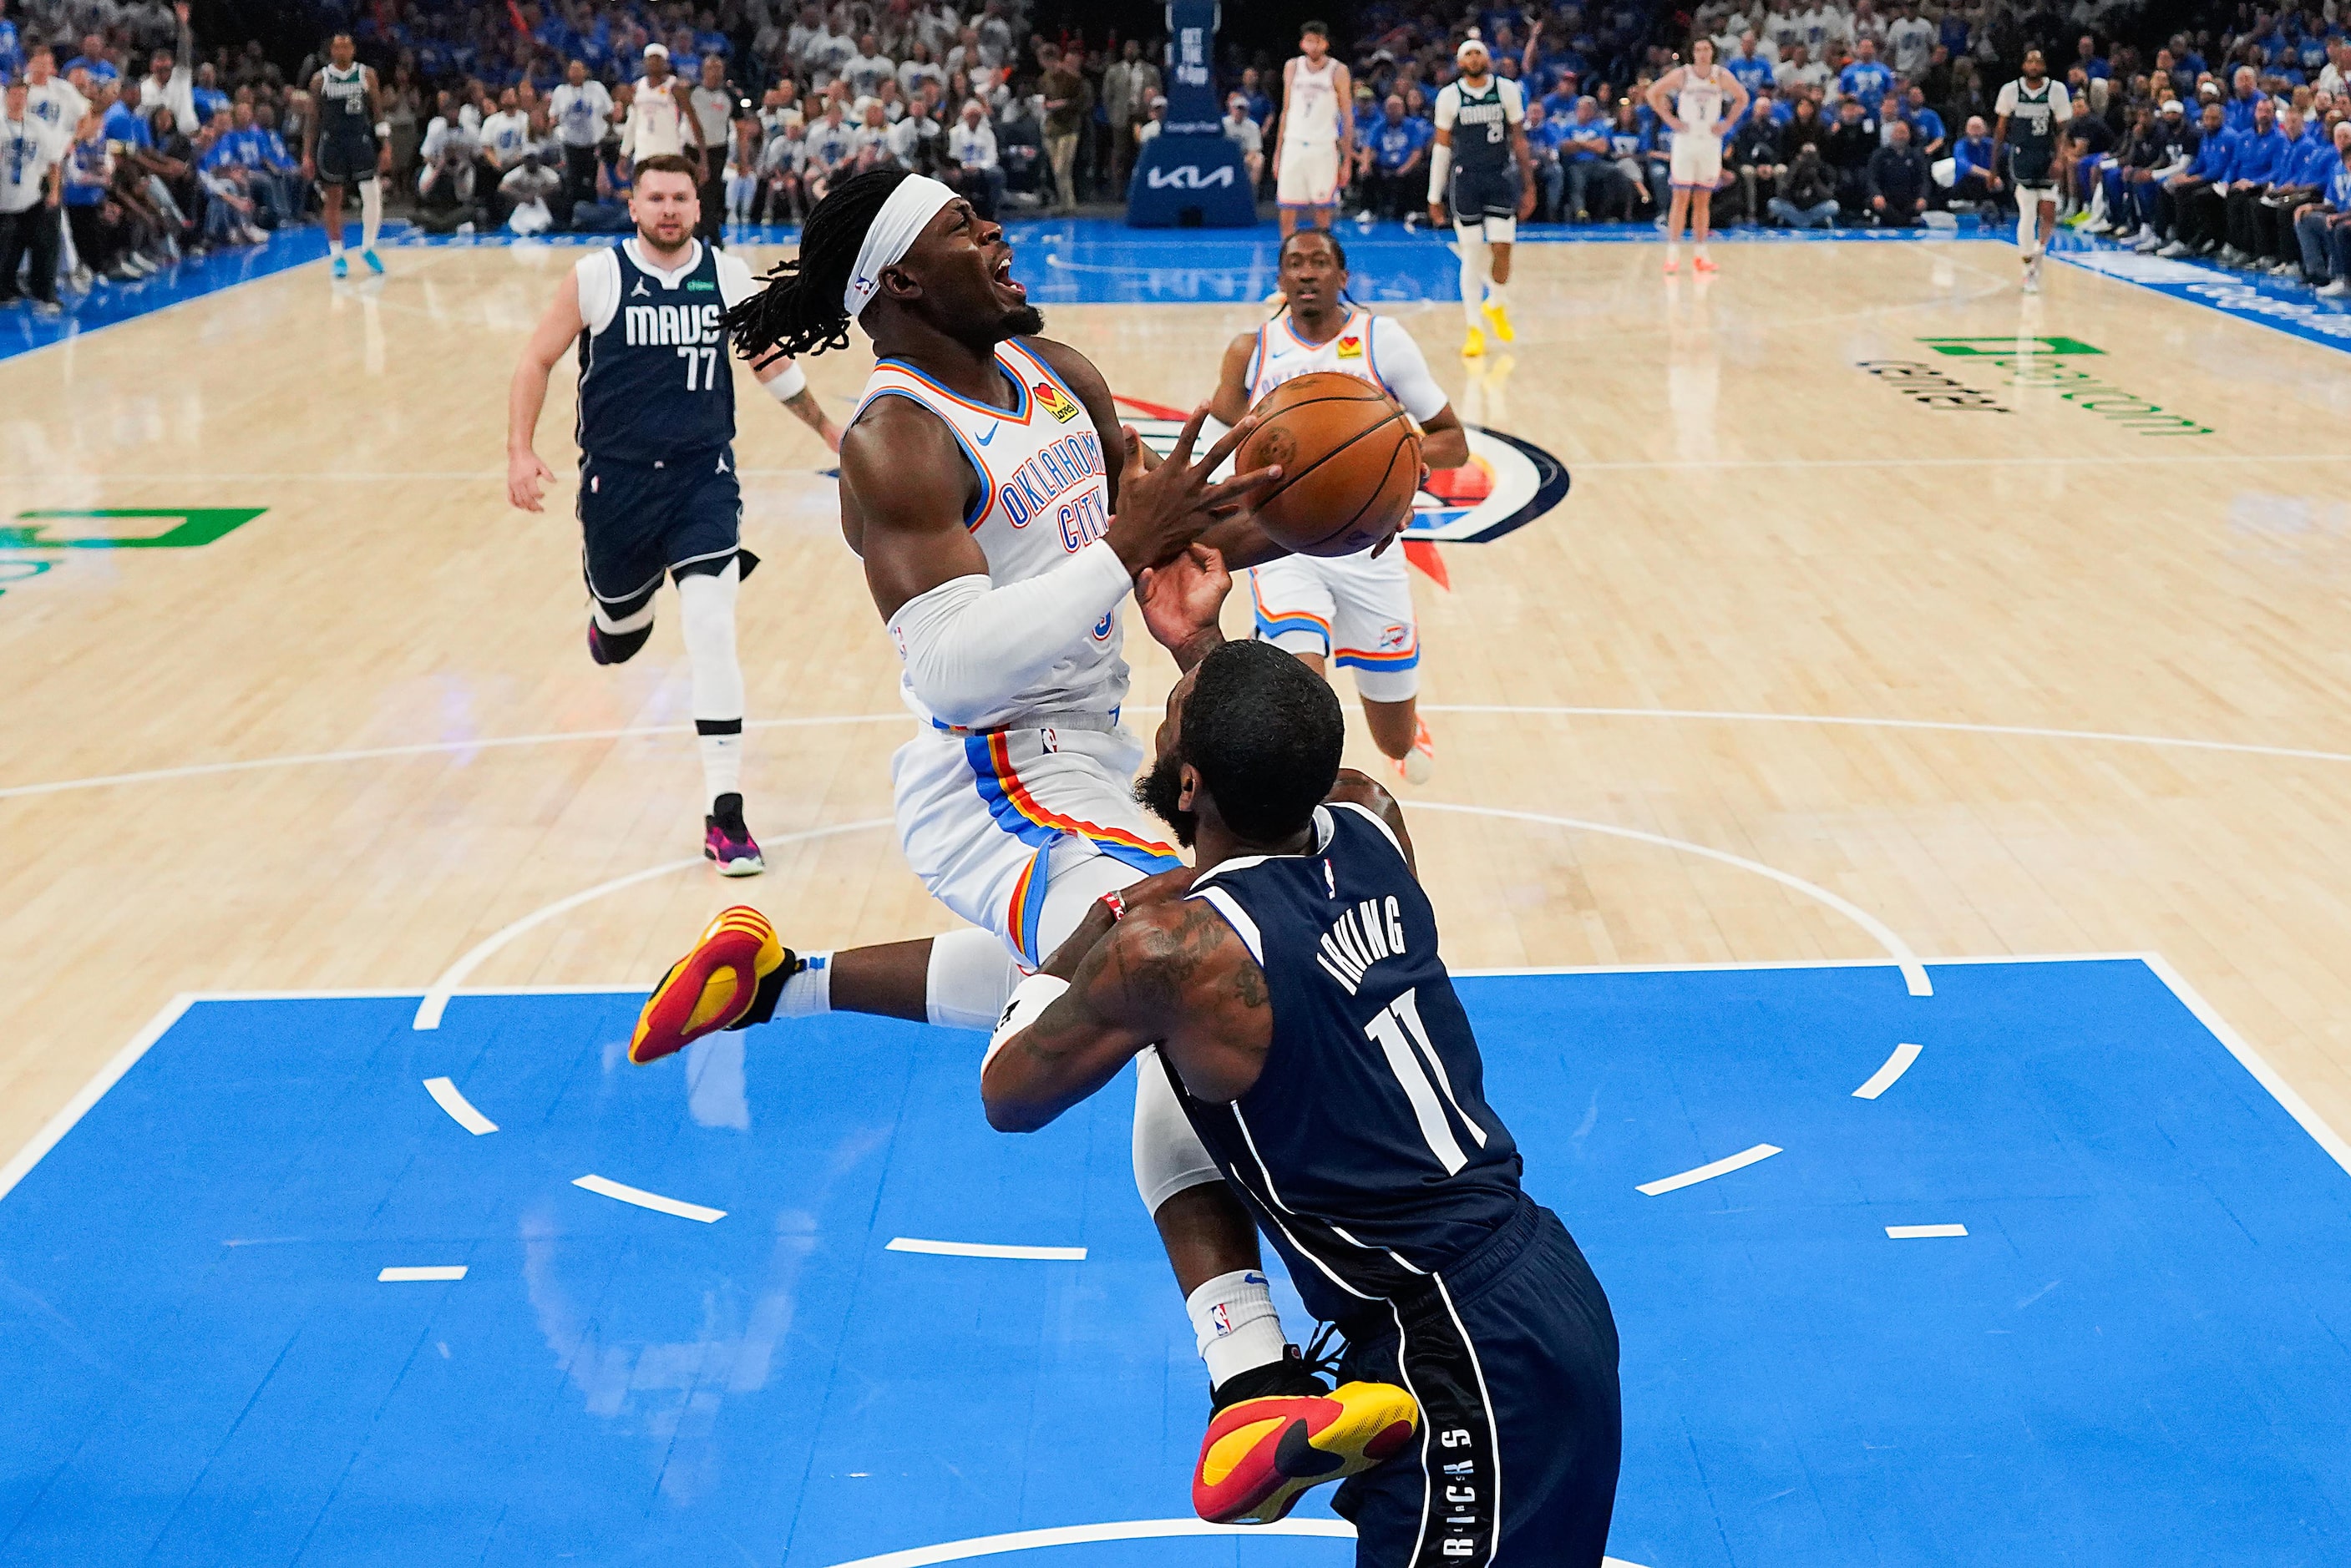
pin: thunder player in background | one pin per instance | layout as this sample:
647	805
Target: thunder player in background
1696	101
1316	138
346	142
1004	516
1354	608
1481	166
1293	987
658	495
2033	111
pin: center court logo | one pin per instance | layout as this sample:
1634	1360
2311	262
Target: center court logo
2031	363
1507	484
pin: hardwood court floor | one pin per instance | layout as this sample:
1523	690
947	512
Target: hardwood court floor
1816	609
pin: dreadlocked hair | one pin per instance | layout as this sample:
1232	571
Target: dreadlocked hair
1338	252
799	311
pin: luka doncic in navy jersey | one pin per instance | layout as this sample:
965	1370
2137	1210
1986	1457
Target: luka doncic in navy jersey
655	384
1367	1137
1391	1187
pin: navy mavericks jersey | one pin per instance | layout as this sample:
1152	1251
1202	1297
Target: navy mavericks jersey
344	119
1481	129
655	384
1366	1145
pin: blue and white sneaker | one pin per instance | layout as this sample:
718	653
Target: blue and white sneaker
375	261
340	267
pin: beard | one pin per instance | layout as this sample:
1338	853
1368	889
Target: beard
1026	322
1158	791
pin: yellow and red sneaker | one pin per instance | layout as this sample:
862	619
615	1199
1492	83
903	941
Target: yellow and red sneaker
718	985
1263	1455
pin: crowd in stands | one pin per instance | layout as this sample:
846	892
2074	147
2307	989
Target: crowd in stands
2225	141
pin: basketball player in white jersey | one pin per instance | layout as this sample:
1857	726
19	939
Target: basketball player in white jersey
658	494
1317	134
1696	101
1003	515
660	116
1356	609
1481	166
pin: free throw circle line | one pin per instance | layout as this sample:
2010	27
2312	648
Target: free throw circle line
1116	1530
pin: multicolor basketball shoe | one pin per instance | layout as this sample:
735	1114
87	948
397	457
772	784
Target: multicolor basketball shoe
727	841
730	980
1265	1451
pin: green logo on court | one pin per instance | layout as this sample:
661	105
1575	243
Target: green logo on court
190	527
2004	347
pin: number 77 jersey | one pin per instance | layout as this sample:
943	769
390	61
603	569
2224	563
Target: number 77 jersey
1367	1143
655	384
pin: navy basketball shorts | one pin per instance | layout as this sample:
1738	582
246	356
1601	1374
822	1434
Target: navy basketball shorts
642	521
1485	194
342	162
1512	1356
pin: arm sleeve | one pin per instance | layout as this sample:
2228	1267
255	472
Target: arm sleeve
1404	371
1448	107
970	647
600	287
1514	101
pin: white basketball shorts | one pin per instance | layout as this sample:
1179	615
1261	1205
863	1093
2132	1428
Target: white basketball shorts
991	823
1310	176
1351	610
1698	160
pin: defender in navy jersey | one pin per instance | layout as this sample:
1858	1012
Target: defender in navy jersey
346	143
656	428
1293	986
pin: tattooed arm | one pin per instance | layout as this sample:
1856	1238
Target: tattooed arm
1173	973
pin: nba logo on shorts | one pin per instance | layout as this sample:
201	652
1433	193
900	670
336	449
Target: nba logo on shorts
1052	741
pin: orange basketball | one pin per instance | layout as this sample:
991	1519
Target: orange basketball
1350	463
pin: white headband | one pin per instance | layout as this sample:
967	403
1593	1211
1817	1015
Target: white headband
913	204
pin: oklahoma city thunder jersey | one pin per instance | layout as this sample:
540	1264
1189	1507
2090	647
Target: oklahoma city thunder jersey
1313	106
1281	355
1698	106
1044	496
1367	1143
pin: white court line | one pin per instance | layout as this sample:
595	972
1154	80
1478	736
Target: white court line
1635	466
1116	1530
89	1095
436	998
1913	973
2026	732
461	1109
422	749
985	1250
1922	1232
2238	1046
608	1188
421	1274
1883	1079
1723	1166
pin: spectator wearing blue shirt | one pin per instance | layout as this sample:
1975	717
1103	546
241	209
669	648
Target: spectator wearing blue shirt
1749	69
2086	60
1583	152
2261	157
1543	136
2300	180
2241	109
1866	78
1926	132
1397	150
1975	175
2194	201
1559	102
2322	228
94	62
11	50
1632	152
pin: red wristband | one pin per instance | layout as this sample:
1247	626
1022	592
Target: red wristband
1115	904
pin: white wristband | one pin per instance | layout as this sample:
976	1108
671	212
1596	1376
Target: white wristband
1028	999
788	385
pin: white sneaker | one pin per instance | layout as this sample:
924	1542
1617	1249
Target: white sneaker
2176	248
80	279
2335	290
2147	243
2032	281
2097	226
2231	257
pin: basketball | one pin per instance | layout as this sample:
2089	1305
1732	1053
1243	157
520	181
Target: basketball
1350	461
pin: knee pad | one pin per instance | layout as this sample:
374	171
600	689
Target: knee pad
970	978
1169	1157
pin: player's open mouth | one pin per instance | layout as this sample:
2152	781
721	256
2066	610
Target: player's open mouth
1003	278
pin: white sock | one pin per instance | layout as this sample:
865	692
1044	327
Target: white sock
1702	251
1493	296
335	247
1672	250
1235	1324
2027	215
809	991
706	604
371	213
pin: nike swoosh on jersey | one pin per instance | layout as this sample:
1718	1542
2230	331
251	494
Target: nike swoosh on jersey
990	437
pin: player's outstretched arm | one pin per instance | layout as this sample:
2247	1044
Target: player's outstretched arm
1175	973
527	476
